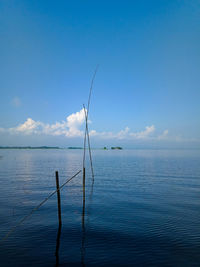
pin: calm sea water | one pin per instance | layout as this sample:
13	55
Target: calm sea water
143	208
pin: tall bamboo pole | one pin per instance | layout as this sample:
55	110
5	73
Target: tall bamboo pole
58	198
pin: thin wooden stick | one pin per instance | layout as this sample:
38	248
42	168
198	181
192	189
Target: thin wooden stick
36	208
88	138
58	198
89	98
88	107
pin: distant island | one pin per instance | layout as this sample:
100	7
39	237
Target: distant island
29	147
113	147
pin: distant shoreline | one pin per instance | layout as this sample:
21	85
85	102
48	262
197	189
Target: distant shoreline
29	147
95	148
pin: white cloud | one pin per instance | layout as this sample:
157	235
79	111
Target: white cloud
72	126
126	134
28	127
103	135
74	121
123	133
164	135
144	134
93	133
16	102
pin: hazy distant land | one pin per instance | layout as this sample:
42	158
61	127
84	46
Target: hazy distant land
50	147
29	147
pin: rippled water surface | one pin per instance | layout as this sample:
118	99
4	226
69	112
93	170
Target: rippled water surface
143	208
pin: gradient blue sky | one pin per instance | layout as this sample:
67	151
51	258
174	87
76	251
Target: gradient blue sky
149	57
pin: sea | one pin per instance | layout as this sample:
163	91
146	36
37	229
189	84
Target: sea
141	208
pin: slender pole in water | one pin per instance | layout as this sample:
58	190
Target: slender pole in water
88	138
86	130
83	212
88	106
58	198
86	135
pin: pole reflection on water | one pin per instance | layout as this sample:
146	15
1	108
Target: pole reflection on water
58	245
83	224
83	236
59	219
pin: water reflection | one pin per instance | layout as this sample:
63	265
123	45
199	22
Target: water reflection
83	233
58	245
83	229
145	209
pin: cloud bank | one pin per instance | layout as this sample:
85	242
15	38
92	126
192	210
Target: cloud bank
148	133
69	128
72	127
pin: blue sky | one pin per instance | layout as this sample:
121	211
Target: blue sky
147	87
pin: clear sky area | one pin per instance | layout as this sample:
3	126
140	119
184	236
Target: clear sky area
147	89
